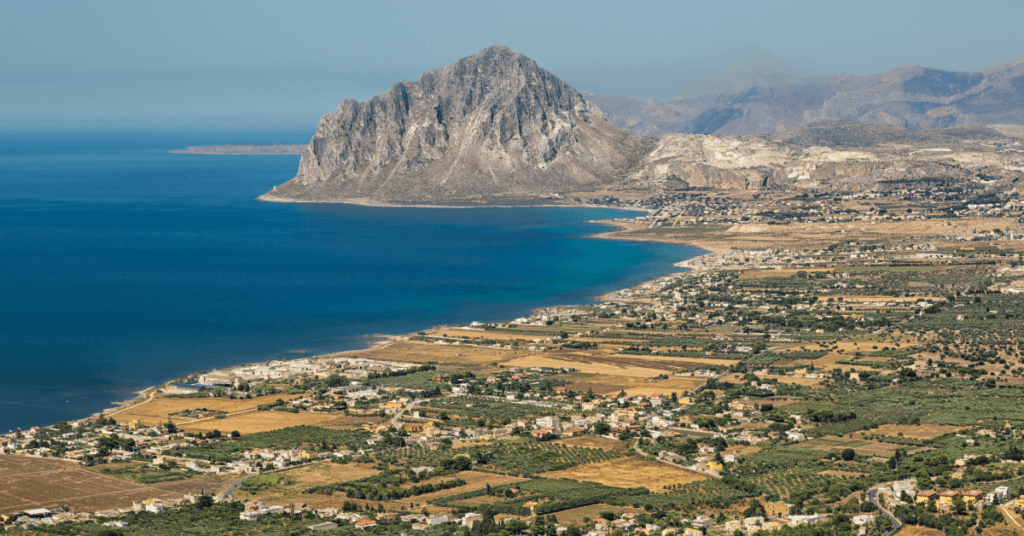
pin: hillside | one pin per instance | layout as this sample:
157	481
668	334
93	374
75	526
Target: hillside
489	127
496	129
764	102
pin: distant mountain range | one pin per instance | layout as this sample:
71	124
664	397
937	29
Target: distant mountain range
765	102
496	129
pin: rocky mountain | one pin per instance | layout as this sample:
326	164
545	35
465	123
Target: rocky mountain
489	127
833	155
495	128
766	102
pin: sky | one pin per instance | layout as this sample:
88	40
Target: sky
284	64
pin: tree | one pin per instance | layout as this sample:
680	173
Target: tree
755	509
602	428
848	455
515	526
899	457
204	501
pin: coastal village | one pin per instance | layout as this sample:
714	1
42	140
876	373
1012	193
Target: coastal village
797	377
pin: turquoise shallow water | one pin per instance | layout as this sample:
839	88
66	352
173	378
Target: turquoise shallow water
122	266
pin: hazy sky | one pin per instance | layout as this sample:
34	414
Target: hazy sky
284	64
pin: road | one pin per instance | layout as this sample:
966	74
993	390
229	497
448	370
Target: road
636	447
1010	516
227	493
694	392
394	420
148	399
873	497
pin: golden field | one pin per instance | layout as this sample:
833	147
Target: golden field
630	472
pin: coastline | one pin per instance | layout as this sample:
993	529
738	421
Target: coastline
251	149
384	340
363	202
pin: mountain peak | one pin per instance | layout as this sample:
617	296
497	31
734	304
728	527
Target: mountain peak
498	48
489	126
496	53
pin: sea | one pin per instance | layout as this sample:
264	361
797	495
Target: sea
124	266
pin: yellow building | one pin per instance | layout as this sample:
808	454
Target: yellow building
692	532
924	497
946	498
777	509
713	466
1019	502
972	497
740	405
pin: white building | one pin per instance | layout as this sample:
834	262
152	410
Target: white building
549	422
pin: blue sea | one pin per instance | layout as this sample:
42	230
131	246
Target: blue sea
123	266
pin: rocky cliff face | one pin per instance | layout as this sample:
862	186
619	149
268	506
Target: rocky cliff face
834	155
489	127
496	128
765	102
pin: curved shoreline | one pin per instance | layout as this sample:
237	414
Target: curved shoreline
619	227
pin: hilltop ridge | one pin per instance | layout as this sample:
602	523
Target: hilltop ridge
765	101
496	129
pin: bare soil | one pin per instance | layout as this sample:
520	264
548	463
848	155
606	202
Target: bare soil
629	473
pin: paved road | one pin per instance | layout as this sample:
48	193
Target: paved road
394	420
636	447
873	497
227	493
1010	516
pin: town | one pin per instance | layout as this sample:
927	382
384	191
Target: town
814	368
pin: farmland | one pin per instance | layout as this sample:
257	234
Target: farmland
921	431
32	483
862	447
593	442
293	481
806	369
158	410
262	421
631	472
475	480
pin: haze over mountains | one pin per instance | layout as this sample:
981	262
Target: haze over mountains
494	128
764	102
